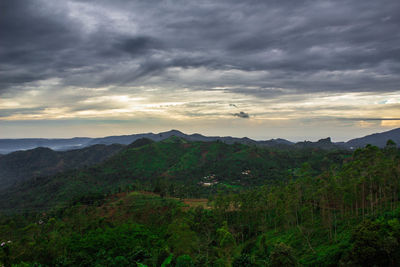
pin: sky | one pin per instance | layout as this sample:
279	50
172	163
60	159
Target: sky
300	70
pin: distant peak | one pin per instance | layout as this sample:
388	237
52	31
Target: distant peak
325	140
172	132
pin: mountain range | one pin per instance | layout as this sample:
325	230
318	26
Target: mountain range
181	167
10	145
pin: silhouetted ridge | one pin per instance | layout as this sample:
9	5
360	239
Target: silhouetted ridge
325	141
10	145
377	139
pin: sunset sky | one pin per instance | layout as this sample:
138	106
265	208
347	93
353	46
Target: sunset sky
263	69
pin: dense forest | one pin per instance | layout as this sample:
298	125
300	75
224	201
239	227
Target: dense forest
171	167
179	203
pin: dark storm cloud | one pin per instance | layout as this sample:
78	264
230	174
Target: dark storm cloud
294	46
31	42
138	45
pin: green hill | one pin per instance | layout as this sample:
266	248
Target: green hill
22	166
172	167
347	215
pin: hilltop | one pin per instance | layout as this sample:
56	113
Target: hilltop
21	166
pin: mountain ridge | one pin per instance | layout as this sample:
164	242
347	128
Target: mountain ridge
377	139
23	165
175	164
59	144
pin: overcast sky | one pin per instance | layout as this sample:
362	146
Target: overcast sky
263	69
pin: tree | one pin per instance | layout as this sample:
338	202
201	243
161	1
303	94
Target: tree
226	242
371	245
282	255
5	246
184	261
182	239
390	143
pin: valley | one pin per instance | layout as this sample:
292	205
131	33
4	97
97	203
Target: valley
177	202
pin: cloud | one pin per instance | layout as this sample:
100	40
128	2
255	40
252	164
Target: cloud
370	119
288	56
138	45
331	46
242	115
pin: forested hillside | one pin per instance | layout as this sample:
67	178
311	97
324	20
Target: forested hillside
344	213
173	167
21	166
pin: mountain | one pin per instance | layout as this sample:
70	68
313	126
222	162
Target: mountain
345	215
23	165
10	145
127	139
377	139
174	165
325	143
